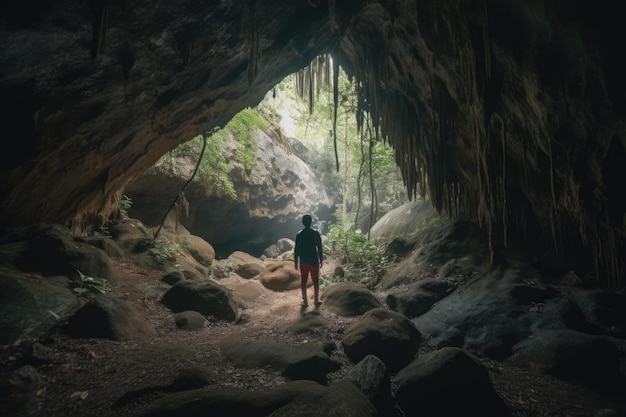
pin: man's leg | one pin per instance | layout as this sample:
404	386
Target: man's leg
315	277
304	272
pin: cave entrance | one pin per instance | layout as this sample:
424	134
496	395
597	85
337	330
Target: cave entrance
307	147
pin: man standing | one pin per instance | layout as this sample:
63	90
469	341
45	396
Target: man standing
308	252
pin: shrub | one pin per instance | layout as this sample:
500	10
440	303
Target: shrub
364	259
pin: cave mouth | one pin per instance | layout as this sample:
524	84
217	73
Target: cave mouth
457	89
252	181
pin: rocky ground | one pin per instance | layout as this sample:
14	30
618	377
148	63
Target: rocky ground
89	377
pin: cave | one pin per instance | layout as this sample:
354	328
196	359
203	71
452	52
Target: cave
97	93
506	113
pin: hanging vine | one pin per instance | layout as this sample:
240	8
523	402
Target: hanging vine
181	192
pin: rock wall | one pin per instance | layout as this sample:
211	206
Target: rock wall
270	198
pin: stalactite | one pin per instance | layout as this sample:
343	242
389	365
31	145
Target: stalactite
335	104
251	19
554	209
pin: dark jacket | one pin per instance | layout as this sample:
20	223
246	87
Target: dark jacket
308	248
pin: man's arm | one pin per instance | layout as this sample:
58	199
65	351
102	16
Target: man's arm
295	253
320	251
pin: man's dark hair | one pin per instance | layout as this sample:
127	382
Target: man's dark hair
307	220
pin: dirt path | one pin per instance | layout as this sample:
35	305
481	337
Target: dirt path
91	375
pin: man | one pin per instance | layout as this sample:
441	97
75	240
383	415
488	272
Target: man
308	253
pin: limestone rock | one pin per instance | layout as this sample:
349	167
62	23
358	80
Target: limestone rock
386	334
293	399
295	362
200	249
189	320
349	299
281	276
371	377
207	298
29	306
52	250
107	317
447	382
418	298
249	270
576	356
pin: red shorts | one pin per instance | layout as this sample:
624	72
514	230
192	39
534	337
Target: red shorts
314	269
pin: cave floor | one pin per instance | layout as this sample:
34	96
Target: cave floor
90	375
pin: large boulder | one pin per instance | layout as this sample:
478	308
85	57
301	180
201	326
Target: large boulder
406	221
107	317
281	276
200	249
292	399
370	375
418	298
30	305
491	314
456	252
349	299
447	383
207	297
576	356
52	250
294	362
249	270
386	334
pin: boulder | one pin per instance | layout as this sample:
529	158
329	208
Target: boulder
406	220
281	276
108	245
107	317
240	258
130	234
418	298
207	298
491	313
294	362
447	383
52	250
456	251
187	379
386	334
30	305
200	249
189	320
349	299
249	270
371	377
297	398
244	292
575	356
280	247
173	277
190	267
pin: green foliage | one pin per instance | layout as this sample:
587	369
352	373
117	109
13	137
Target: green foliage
352	184
164	252
87	285
241	128
103	231
364	259
125	203
214	170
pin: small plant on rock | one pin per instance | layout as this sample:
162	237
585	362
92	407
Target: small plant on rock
90	285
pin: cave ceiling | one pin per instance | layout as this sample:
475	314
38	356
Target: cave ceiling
509	113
